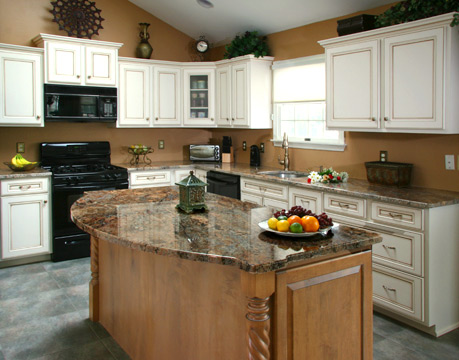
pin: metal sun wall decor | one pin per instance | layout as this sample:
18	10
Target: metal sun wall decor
79	18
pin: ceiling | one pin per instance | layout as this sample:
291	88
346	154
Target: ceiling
228	18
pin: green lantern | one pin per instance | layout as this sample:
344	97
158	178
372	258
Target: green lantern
191	191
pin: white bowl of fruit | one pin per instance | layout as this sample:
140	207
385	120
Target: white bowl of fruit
297	222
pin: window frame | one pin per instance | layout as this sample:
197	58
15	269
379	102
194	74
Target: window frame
325	144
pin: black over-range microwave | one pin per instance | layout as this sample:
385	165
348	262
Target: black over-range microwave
80	103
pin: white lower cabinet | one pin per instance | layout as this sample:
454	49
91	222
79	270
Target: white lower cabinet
414	276
271	195
142	179
25	218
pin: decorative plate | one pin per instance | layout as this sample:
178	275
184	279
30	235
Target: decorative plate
264	226
79	18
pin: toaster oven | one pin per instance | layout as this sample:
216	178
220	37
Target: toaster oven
205	153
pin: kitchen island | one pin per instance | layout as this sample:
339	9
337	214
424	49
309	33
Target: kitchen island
168	285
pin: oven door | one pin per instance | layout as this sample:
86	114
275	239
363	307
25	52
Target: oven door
70	242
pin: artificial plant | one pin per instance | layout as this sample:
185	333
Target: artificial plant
411	10
249	43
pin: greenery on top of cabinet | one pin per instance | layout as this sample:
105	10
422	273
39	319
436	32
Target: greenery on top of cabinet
411	10
249	43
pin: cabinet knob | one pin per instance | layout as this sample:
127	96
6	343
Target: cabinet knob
157	119
232	119
147	119
89	76
38	117
212	119
45	201
78	76
373	119
386	118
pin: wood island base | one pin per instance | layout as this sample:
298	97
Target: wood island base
161	307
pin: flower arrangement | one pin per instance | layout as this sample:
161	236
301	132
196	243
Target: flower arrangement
327	176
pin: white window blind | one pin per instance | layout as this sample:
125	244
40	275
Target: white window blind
299	104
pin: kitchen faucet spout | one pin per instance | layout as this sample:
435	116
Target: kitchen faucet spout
285	162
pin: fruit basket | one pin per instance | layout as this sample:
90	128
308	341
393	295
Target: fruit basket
140	150
25	167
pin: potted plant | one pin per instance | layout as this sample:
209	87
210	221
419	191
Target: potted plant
411	10
249	43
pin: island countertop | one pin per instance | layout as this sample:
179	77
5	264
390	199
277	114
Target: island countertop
228	233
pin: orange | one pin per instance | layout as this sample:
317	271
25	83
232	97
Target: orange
310	223
283	225
294	219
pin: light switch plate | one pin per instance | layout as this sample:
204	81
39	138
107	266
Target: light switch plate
383	156
20	147
262	147
449	162
161	144
244	145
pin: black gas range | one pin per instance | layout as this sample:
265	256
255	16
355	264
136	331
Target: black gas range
77	167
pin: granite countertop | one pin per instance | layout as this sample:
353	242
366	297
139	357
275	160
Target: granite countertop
406	196
228	233
6	173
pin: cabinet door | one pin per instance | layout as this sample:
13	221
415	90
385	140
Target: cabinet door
135	98
331	297
274	205
353	86
239	95
64	63
21	89
167	102
25	225
100	66
223	96
307	199
414	80
198	97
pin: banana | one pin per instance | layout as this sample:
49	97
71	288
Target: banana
19	161
13	161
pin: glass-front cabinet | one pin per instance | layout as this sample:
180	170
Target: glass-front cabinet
199	88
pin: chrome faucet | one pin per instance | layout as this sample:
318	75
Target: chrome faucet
285	162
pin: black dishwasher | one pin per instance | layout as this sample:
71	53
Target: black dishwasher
224	184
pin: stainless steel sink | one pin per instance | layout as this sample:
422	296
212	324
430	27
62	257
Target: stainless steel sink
284	174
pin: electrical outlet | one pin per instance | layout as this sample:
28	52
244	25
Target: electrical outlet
160	144
449	162
20	147
244	145
383	156
262	147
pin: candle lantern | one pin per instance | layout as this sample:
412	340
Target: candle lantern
191	194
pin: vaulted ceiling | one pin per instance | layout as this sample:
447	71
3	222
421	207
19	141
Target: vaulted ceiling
228	18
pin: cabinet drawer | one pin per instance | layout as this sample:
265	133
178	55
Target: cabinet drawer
251	198
401	250
265	189
397	215
24	186
274	205
345	205
182	174
149	178
310	200
398	292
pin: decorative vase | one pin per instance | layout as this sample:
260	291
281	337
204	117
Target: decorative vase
144	48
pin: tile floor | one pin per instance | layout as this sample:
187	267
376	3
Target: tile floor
44	316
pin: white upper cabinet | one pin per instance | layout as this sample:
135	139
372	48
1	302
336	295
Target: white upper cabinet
21	86
243	95
167	95
401	78
79	61
135	105
199	97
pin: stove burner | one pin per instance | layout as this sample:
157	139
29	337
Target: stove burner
87	168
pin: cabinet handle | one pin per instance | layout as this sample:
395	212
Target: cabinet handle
388	288
343	206
386	118
78	76
395	216
151	178
25	187
89	76
389	247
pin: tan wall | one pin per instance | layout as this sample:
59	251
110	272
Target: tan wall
426	152
22	20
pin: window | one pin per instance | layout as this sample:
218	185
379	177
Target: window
299	105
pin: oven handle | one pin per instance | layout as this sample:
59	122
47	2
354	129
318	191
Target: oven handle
90	187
